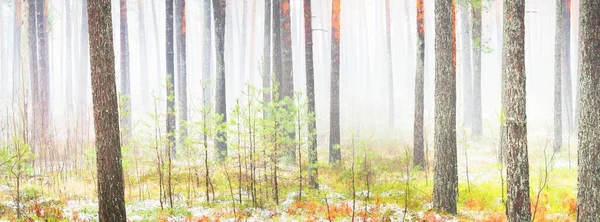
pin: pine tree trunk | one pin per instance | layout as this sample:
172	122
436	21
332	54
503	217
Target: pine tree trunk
557	143
277	66
207	55
33	69
287	81
477	119
156	42
170	77
68	57
335	154
566	63
182	103
126	124
266	75
310	93
111	201
445	184
465	38
418	149
17	80
388	39
517	171
219	8
43	77
84	76
145	99
588	182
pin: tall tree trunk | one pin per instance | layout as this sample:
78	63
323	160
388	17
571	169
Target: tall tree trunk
277	67
17	81
111	192
499	39
266	75
181	71
388	40
126	114
310	93
517	171
465	38
419	152
558	77
156	42
84	94
445	185
170	78
566	62
144	98
33	68
476	118
588	199
219	9
287	81
68	57
207	90
43	76
335	154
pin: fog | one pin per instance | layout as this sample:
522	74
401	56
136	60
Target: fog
363	65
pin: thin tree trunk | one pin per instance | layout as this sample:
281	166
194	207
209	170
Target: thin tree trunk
156	42
335	154
111	192
588	199
310	93
145	99
170	84
68	57
84	77
558	77
182	103
266	75
517	205
126	113
466	65
207	56
445	184
219	8
477	119
17	81
566	62
388	40
419	152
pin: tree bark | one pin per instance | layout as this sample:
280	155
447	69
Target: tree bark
17	81
310	93
219	8
477	128
445	184
335	154
588	182
418	149
557	143
33	69
170	78
182	106
287	81
68	57
517	171
84	78
111	201
126	114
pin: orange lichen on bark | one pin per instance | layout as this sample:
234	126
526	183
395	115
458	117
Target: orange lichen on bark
420	17
183	19
335	18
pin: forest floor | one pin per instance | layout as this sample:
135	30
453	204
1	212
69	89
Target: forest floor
385	190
